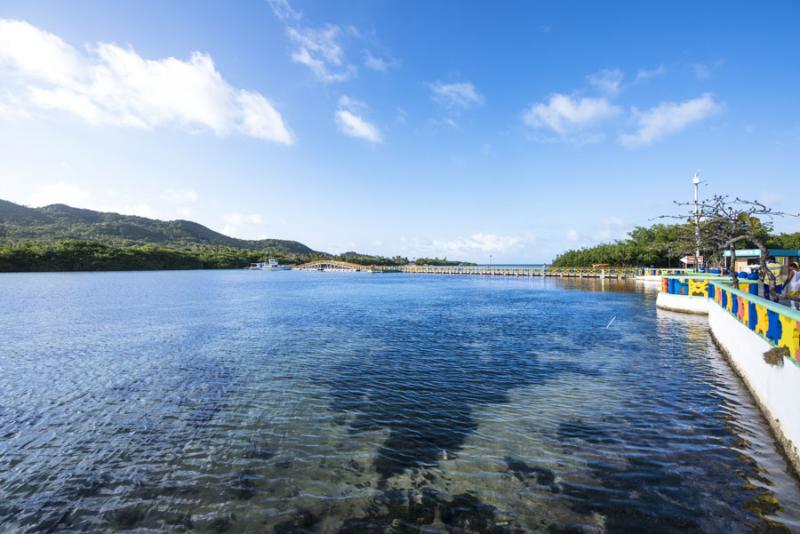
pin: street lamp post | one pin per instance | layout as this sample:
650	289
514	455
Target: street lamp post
696	182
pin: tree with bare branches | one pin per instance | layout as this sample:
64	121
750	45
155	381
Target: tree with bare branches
726	222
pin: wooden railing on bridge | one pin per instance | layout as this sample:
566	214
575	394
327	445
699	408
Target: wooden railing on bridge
530	271
479	270
333	265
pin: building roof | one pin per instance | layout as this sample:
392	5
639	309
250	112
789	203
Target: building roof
755	253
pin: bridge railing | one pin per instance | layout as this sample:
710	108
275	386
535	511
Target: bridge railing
693	285
660	271
776	323
508	270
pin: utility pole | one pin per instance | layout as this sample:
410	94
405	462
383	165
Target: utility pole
696	182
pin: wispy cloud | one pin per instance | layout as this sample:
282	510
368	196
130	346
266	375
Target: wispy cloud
566	115
374	62
73	195
701	71
350	121
59	193
472	246
669	118
608	81
456	96
111	85
284	11
244	225
319	50
608	228
322	48
646	74
377	63
611	82
704	71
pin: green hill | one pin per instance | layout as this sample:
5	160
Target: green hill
63	238
58	222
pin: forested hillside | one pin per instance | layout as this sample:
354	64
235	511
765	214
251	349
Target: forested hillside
62	238
59	222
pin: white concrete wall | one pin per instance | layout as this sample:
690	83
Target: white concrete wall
682	303
775	388
648	278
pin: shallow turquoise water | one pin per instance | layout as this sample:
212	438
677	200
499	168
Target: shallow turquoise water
338	402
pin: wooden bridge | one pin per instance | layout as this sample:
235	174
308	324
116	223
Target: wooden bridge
477	270
544	271
335	266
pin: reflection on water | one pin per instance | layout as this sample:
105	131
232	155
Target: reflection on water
319	402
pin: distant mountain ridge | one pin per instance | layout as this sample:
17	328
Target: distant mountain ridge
59	222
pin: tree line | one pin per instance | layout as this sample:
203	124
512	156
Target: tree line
97	256
75	255
662	245
440	262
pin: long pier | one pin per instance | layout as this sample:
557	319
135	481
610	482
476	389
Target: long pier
475	270
488	270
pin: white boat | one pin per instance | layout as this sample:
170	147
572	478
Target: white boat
269	265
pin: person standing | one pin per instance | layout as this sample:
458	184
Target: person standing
792	287
777	271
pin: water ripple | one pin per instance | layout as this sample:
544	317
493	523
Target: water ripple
291	402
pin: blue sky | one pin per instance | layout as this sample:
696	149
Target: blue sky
458	129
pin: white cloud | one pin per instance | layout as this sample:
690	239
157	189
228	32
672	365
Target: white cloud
261	120
353	104
77	197
456	96
39	55
608	228
12	106
355	126
377	63
608	81
374	62
572	235
350	121
284	11
401	117
669	118
110	85
320	51
612	81
59	193
564	114
477	243
244	226
769	198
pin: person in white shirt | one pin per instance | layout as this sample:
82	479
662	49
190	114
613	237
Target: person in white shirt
791	288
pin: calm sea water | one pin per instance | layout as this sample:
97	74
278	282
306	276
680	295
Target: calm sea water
333	402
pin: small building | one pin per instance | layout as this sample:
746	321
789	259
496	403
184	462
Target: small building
749	257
